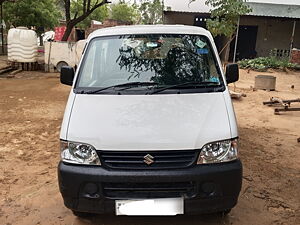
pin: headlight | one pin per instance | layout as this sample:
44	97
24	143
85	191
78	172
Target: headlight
220	151
78	153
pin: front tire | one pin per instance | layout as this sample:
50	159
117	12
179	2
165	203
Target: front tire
224	213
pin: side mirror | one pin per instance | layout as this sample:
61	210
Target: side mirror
232	73
67	75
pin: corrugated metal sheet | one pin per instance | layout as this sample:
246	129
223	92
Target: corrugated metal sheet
258	9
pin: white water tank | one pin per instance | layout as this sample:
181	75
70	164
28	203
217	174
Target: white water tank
22	45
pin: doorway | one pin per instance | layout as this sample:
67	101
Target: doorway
80	34
246	43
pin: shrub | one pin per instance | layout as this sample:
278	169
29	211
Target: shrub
265	63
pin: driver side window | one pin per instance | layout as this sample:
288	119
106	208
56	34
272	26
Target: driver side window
88	68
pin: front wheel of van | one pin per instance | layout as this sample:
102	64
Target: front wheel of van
223	213
83	214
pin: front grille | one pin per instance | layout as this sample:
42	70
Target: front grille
157	159
148	190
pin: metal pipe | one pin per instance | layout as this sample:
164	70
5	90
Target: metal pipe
236	40
2	36
292	38
226	45
163	13
277	110
273	102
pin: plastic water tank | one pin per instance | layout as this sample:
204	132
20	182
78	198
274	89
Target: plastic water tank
22	45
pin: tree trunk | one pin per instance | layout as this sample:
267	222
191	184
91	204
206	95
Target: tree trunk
41	40
86	12
68	31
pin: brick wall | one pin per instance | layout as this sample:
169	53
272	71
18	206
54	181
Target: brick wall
295	56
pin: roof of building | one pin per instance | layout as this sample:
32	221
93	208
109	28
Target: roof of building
258	8
274	10
183	6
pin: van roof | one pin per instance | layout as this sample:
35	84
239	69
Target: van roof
149	29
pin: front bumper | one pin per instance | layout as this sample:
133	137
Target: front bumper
211	188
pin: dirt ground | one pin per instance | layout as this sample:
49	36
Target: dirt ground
31	110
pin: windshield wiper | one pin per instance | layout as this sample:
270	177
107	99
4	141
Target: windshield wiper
129	84
195	84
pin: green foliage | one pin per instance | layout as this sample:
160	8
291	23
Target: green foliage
265	63
124	12
31	13
224	15
151	12
100	14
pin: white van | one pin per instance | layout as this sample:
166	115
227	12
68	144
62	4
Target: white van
149	127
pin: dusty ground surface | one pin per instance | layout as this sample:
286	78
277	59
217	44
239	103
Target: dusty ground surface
31	109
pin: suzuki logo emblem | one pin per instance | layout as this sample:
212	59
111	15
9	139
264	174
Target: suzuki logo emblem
148	159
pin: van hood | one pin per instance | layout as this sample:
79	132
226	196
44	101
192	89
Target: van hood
149	122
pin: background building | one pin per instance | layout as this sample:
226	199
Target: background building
269	28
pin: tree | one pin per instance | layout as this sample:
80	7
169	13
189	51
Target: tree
124	12
99	14
31	13
224	15
83	12
151	12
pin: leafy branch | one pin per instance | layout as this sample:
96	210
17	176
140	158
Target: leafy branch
88	6
224	15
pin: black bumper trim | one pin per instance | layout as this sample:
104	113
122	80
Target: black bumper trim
227	178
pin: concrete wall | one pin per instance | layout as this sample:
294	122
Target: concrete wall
272	33
179	18
297	35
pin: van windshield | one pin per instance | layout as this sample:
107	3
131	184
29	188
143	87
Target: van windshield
164	59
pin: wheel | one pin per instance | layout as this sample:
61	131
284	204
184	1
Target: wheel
83	214
60	65
223	213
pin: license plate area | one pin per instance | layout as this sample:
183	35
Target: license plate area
150	207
